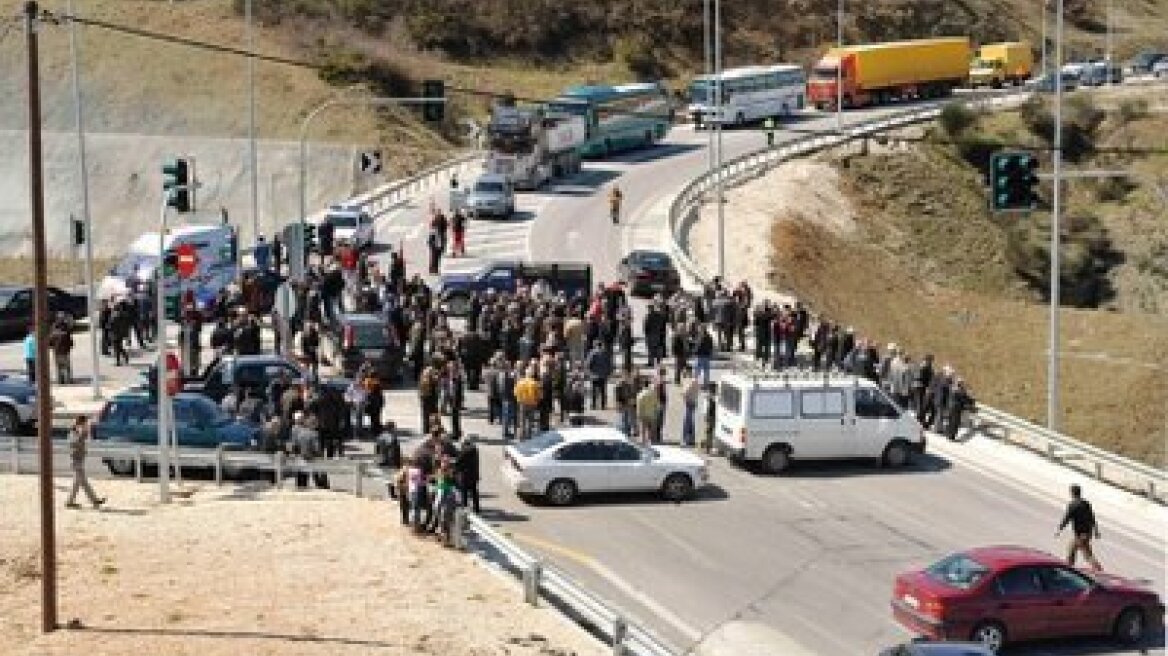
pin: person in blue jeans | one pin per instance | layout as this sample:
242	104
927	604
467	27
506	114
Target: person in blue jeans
703	353
30	349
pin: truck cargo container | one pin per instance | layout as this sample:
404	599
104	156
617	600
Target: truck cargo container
878	73
999	64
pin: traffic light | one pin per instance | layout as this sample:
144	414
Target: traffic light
309	236
434	111
78	231
1013	182
170	264
178	183
171	307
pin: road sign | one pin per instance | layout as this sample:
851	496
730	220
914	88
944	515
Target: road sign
188	260
370	162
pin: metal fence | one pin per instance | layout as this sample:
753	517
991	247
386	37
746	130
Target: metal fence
542	580
683	212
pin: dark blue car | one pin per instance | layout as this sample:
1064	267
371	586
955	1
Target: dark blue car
131	417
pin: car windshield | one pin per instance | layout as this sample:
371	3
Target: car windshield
486	187
6	296
699	91
343	220
369	335
539	443
654	261
958	571
823	73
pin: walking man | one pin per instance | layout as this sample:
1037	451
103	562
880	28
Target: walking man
1084	527
30	349
78	447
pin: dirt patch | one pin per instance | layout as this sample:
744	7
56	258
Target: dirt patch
62	273
231	572
1114	389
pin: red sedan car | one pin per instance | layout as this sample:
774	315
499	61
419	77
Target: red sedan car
996	595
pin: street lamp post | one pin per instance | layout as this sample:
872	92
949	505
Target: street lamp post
1052	392
839	67
1045	12
333	102
708	52
721	119
253	159
86	218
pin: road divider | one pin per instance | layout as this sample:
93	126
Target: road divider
683	213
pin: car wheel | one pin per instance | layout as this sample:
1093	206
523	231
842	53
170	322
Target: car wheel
120	467
561	492
897	454
992	635
776	459
1130	626
9	421
677	487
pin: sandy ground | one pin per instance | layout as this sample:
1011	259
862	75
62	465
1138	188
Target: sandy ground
232	571
805	188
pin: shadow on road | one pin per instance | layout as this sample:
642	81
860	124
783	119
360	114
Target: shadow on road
708	493
1088	646
654	153
494	515
926	463
212	633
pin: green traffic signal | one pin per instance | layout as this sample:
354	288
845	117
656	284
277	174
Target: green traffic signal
434	111
178	184
1013	180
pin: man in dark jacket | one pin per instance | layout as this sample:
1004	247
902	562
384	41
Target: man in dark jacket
598	363
762	332
331	410
958	402
466	472
1083	526
324	237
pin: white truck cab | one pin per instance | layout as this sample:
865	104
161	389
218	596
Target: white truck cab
351	223
775	418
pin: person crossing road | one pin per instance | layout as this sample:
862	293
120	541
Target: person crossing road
1083	528
614	203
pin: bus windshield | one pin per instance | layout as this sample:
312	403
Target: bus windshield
569	108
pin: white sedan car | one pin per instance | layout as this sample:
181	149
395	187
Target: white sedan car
559	465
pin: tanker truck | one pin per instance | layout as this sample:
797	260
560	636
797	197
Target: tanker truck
878	73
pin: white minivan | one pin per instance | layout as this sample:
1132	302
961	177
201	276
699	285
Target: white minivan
774	419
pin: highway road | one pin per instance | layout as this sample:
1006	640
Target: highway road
803	561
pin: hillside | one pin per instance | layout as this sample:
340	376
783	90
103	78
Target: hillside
929	267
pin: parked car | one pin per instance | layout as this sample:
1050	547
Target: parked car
1046	83
1160	69
998	595
351	223
928	648
358	338
16	307
491	195
1145	62
649	272
1097	74
17	405
253	372
132	417
559	465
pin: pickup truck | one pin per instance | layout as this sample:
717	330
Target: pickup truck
572	278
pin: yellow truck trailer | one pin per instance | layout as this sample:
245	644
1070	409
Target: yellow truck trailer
877	73
999	64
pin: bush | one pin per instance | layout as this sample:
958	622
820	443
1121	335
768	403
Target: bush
1133	110
638	53
1088	255
977	149
956	118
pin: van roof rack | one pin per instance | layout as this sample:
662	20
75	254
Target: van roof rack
756	373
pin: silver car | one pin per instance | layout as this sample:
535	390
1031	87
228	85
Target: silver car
491	195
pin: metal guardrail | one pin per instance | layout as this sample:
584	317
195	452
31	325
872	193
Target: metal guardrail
396	191
1108	467
625	637
224	463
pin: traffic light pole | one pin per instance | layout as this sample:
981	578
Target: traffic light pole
359	102
160	369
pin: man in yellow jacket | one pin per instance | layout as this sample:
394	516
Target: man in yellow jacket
527	395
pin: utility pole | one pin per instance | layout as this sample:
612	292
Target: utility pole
41	314
839	68
253	159
709	79
1107	57
161	372
86	217
721	119
1052	375
1045	12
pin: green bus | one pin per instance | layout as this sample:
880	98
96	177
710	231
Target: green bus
618	117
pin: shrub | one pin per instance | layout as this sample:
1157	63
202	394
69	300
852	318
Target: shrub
1132	110
956	118
1088	255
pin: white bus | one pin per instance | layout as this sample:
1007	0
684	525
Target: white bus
749	94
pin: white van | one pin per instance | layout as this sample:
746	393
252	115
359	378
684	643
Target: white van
775	418
351	223
215	248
